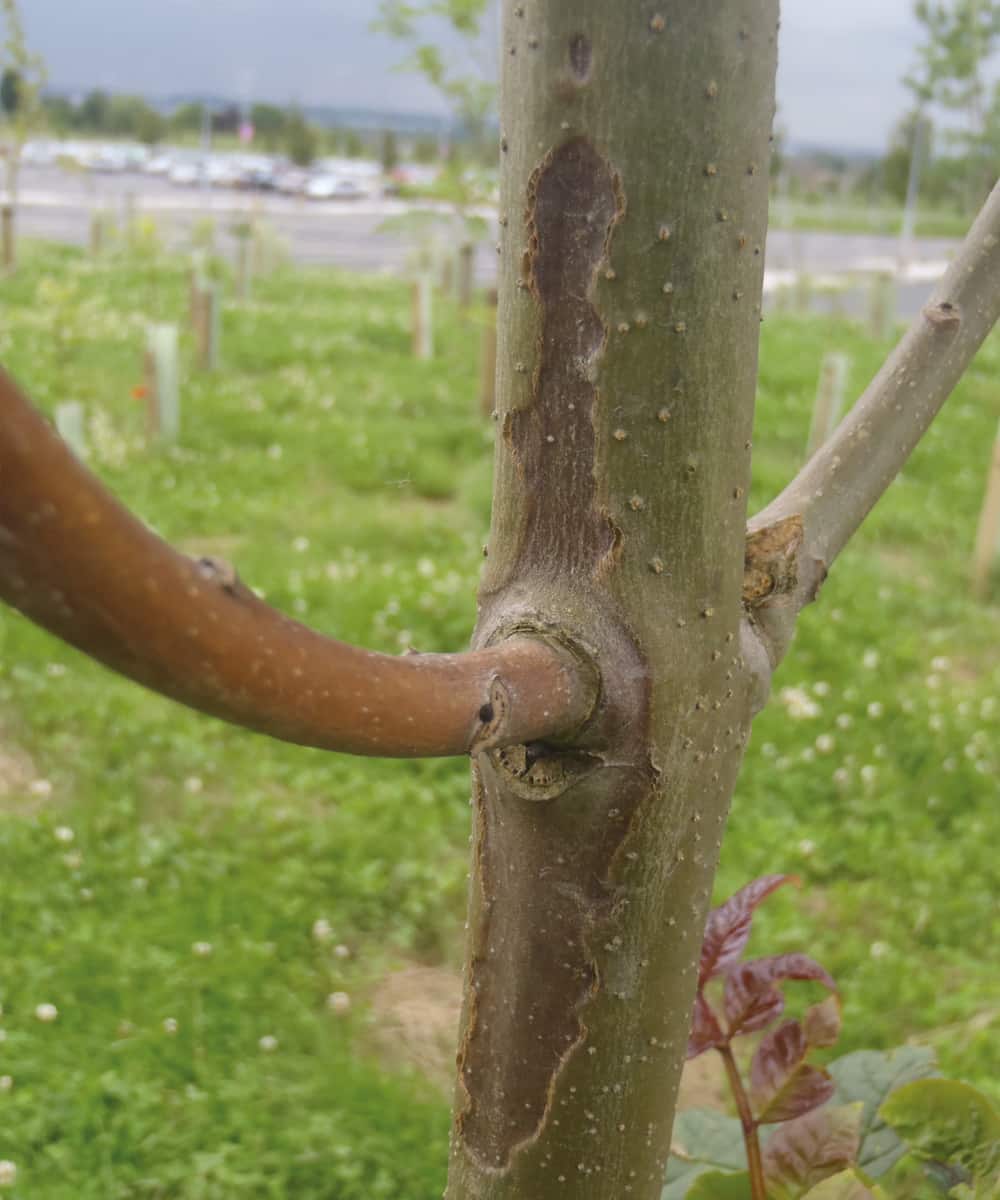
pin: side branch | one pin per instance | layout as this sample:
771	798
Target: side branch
795	539
76	562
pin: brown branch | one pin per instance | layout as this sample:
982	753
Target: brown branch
78	563
796	538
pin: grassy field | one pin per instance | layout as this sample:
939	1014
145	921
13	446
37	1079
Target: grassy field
188	896
846	216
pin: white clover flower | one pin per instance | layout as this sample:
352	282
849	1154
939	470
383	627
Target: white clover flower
845	721
868	774
799	703
64	834
55	670
808	754
300	545
841	777
8	1173
202	949
933	682
769	750
322	930
940	663
140	883
339	1002
193	784
807	847
40	787
870	659
6	1083
170	1026
275	452
46	1013
878	949
876	709
936	722
342	951
949	765
825	743
821	689
426	568
268	1043
73	861
86	894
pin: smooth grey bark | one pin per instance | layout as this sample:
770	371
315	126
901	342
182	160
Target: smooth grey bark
796	538
635	143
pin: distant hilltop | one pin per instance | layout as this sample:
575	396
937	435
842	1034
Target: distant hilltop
414	124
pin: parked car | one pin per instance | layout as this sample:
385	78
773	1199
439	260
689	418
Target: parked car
334	187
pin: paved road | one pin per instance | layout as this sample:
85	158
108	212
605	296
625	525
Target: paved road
58	205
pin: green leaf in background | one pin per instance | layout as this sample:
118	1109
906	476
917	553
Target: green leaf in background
871	1076
804	1152
704	1140
847	1185
949	1122
721	1185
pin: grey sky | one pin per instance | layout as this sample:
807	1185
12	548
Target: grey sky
841	62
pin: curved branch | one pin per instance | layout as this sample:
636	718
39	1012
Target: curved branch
795	539
75	561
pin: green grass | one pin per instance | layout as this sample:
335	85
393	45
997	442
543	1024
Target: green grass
351	485
847	216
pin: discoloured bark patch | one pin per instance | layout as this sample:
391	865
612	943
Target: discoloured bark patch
547	894
574	202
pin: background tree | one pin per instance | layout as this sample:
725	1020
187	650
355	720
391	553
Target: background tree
390	150
23	74
960	36
629	621
268	121
301	140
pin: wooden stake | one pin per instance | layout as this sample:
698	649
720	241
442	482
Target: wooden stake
207	326
447	272
466	274
488	360
196	281
96	232
829	400
244	265
882	307
7	237
988	537
423	318
130	217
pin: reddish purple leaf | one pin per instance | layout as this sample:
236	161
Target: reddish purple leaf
750	1007
822	1022
804	1152
706	1033
728	929
782	1084
751	999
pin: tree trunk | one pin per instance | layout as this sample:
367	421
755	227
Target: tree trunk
633	212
